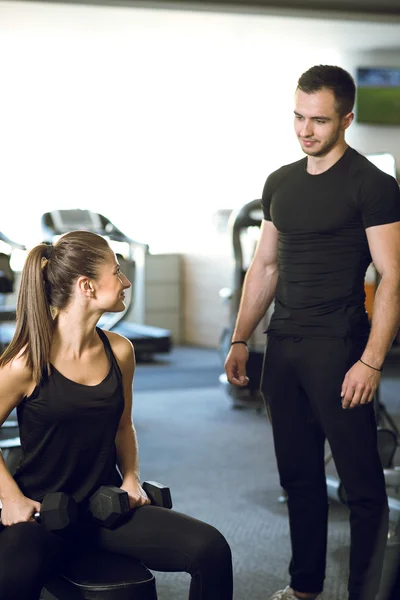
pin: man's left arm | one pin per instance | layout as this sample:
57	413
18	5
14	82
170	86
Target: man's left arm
361	381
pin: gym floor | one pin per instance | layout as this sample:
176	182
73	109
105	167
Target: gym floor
220	466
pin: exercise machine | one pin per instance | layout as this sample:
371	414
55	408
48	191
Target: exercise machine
9	432
8	249
147	340
244	229
388	436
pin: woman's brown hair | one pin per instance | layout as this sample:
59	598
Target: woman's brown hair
46	287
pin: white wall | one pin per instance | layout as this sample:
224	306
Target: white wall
155	118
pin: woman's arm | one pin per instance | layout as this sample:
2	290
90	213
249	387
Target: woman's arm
15	383
126	440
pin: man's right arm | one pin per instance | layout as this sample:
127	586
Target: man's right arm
257	294
259	284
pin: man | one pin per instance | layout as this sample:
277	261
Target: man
325	218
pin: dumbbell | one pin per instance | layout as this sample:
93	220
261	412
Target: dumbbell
57	513
109	505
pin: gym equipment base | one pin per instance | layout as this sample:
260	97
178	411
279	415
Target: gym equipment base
336	492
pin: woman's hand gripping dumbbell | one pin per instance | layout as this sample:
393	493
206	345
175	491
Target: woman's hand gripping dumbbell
58	512
110	507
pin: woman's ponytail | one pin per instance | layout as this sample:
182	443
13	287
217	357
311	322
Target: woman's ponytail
34	328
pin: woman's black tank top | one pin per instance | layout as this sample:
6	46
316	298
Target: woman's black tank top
67	433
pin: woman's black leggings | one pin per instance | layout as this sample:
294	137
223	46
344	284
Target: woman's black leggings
164	540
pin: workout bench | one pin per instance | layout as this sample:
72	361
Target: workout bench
98	575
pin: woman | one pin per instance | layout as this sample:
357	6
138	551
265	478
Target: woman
72	385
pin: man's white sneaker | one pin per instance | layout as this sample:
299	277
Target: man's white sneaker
286	594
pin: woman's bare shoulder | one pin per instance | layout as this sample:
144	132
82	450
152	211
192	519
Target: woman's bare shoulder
121	346
18	367
16	381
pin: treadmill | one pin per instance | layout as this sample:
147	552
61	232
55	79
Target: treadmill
7	281
147	340
9	432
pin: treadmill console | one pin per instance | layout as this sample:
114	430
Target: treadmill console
69	220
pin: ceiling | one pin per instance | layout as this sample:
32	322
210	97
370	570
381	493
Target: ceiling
347	8
342	31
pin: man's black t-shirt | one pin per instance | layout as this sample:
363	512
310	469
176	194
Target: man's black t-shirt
323	253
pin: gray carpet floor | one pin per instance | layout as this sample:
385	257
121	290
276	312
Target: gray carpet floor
220	466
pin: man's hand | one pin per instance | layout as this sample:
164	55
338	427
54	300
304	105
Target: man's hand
359	385
235	365
137	495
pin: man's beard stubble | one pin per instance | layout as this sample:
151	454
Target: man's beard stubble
325	149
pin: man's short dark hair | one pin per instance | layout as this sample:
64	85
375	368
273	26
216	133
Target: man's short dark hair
336	79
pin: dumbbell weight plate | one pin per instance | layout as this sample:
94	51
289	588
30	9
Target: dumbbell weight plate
158	493
109	506
58	512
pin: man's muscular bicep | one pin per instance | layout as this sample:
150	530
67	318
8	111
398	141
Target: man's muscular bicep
266	253
384	245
